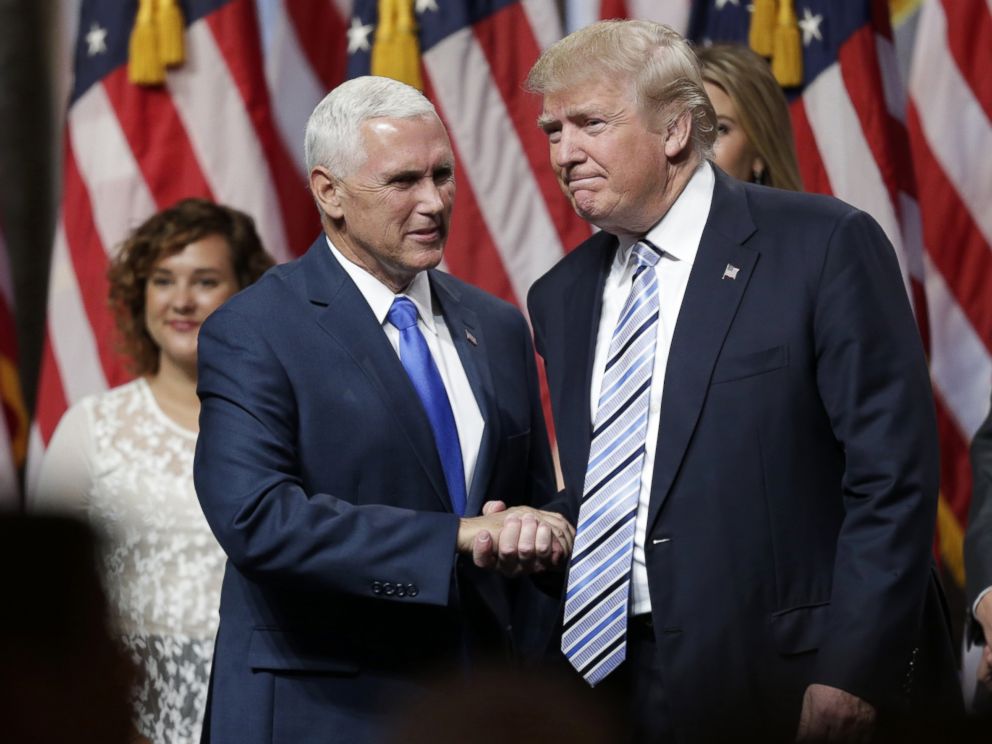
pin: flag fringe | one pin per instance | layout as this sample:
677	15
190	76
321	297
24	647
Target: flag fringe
170	33
761	33
396	50
787	55
144	66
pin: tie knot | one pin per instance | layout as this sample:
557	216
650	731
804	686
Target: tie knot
645	254
402	313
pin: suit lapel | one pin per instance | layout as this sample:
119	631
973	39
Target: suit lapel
707	311
583	302
344	314
463	325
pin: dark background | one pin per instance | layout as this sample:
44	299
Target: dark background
28	187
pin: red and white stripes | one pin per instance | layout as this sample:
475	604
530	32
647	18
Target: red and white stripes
674	13
950	129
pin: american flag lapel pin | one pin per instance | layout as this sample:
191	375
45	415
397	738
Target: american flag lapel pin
730	272
471	339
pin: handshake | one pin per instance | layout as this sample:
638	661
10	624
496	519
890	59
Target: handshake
516	540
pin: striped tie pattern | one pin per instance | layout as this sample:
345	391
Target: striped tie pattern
595	625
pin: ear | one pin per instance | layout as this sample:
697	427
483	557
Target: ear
759	171
678	135
326	190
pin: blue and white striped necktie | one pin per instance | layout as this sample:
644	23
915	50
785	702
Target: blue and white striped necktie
594	637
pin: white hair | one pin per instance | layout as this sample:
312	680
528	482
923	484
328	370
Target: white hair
333	135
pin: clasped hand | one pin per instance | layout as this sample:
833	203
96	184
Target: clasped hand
832	714
516	540
983	613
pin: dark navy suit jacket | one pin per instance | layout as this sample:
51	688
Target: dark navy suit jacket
317	471
795	485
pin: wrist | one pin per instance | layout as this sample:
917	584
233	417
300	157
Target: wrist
465	535
983	610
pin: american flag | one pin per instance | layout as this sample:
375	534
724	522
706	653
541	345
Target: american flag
949	118
674	13
129	151
13	417
918	168
228	124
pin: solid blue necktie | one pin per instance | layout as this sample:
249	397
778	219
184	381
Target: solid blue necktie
419	364
594	636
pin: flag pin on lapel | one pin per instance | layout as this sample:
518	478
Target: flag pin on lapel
730	272
471	339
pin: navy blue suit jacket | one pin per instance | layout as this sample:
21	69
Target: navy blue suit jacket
795	484
317	471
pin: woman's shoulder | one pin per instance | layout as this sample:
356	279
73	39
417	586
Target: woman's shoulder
115	396
116	401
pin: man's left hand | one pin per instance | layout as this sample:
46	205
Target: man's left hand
830	714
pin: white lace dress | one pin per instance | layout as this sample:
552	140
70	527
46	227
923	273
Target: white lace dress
117	458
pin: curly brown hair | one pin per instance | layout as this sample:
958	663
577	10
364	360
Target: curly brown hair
164	234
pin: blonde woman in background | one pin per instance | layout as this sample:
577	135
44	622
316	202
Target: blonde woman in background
754	141
123	459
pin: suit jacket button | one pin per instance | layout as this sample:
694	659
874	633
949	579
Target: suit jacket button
376	587
412	590
400	590
388	588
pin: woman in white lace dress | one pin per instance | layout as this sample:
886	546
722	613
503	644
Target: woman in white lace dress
124	458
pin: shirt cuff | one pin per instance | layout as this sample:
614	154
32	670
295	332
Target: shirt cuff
974	607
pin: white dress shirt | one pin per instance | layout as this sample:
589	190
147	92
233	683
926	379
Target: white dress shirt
430	321
677	235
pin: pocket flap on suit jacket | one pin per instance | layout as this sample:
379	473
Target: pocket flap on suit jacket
799	629
750	364
278	650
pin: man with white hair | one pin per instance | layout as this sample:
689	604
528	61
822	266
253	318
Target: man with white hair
367	425
744	420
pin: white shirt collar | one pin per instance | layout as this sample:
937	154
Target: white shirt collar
380	297
678	232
